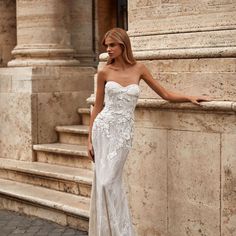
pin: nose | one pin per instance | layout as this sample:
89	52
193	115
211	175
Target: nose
108	49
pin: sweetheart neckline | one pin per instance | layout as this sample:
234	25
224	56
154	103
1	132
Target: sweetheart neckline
122	85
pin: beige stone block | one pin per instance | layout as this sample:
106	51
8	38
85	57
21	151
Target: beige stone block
44	85
64	159
60	79
56	109
228	173
76	79
200	65
180	16
193	183
185	120
85	115
212	77
146	181
16	132
47	182
222	38
76	84
21	86
70	138
5	83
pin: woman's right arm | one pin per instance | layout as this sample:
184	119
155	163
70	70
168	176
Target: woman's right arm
101	80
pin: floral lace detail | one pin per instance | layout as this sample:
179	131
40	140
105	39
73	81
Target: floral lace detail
116	120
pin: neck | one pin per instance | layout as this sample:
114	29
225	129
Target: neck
120	63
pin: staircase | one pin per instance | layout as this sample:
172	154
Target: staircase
57	186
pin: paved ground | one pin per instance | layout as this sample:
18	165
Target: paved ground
16	224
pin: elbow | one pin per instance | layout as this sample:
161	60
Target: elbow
166	96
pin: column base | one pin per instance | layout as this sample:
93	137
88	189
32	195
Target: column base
42	62
43	55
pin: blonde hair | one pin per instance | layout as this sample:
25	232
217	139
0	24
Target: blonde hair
121	37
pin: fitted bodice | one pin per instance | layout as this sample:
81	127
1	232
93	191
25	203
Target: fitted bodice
120	100
116	120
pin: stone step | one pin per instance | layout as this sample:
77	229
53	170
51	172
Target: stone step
63	154
62	178
62	208
85	115
74	134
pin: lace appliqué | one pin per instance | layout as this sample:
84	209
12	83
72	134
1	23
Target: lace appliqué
117	128
116	120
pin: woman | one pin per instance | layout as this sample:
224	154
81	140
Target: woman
111	132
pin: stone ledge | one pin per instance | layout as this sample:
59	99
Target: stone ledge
68	149
48	170
84	110
69	203
182	53
218	106
75	129
42	62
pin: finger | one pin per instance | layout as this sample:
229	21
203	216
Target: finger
92	156
195	102
92	152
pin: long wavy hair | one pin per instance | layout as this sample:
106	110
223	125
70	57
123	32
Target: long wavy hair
121	37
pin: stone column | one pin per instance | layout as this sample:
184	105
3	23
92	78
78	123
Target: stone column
43	34
82	33
7	30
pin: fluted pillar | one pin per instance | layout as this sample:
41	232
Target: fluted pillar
43	34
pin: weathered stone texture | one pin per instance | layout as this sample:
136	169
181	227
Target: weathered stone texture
172	25
181	43
146	179
193	183
35	100
213	77
7	30
228	197
43	34
16	121
174	171
167	16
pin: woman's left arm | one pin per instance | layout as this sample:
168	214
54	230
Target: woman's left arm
168	95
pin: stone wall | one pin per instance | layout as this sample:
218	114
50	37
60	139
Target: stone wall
34	100
181	172
171	24
7	30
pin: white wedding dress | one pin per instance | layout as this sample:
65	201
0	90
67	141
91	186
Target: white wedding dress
112	135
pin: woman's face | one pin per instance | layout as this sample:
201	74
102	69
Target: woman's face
113	48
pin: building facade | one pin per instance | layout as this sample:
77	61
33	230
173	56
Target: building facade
181	173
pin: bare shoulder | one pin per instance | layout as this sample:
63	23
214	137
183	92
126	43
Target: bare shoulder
102	74
142	69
